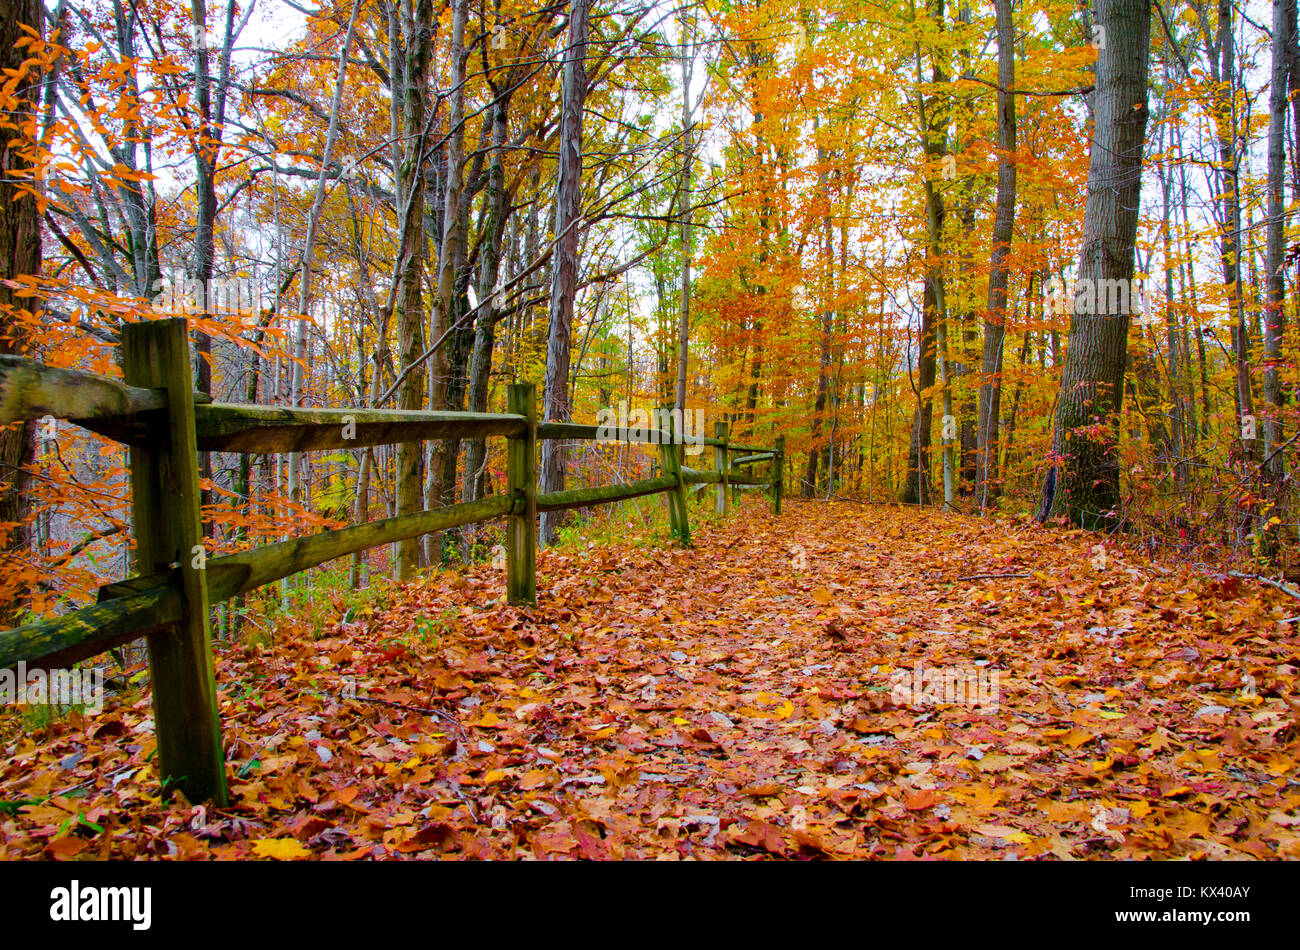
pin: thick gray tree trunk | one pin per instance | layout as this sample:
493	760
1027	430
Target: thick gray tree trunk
1084	479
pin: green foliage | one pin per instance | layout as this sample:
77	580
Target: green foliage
317	601
38	717
641	522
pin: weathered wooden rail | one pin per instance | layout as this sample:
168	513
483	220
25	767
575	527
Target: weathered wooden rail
156	413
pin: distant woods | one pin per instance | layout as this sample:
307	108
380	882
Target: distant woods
894	236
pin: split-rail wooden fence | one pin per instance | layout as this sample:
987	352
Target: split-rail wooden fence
155	412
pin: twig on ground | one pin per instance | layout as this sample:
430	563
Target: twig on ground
417	709
1284	588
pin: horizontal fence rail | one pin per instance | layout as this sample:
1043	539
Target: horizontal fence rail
264	430
605	494
155	412
127	414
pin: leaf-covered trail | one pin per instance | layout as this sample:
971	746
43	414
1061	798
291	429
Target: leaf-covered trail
735	700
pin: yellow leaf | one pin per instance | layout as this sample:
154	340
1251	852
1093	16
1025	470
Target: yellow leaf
986	799
495	775
994	763
822	595
1062	812
282	849
535	778
1078	737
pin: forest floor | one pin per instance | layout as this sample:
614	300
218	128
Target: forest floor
755	695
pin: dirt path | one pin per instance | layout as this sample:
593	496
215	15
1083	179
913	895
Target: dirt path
822	684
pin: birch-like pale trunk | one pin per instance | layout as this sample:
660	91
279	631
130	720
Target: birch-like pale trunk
684	216
298	381
1274	266
1224	72
995	317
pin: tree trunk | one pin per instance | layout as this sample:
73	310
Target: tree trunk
308	249
684	218
1084	480
1275	278
808	488
20	253
485	323
564	263
1178	366
417	26
916	487
207	152
995	319
446	387
1225	123
1014	413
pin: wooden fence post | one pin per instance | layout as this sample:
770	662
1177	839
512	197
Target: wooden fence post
735	489
778	473
720	463
169	534
521	526
676	496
